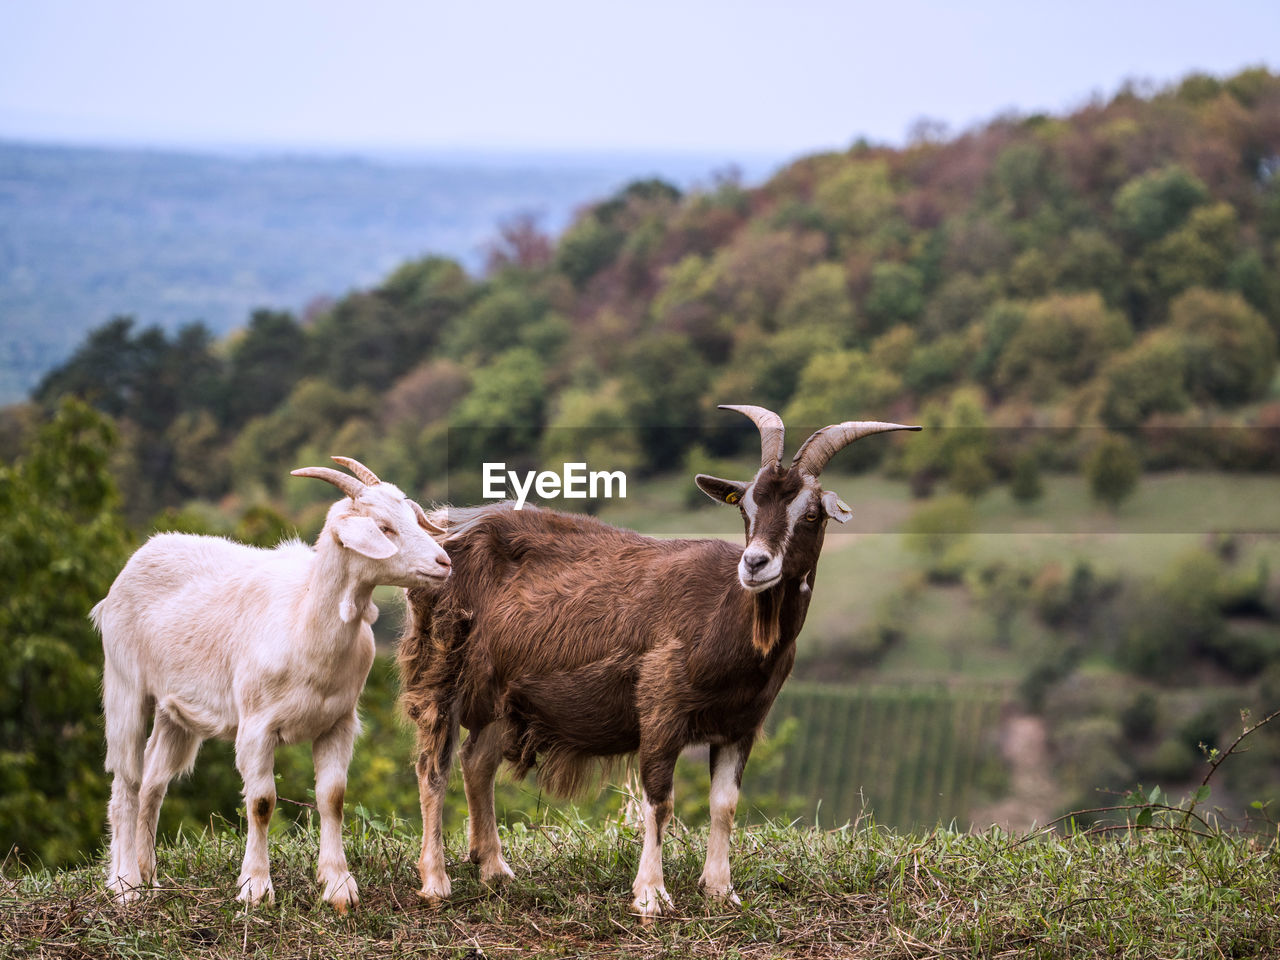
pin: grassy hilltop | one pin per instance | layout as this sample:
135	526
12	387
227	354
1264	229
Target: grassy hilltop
859	892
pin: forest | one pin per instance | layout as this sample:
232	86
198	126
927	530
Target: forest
1082	310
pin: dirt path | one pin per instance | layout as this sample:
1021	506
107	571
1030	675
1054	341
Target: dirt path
1034	794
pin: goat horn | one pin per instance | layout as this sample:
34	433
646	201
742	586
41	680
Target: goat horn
423	521
367	476
348	485
817	451
771	431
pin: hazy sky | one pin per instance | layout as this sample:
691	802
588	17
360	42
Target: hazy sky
771	79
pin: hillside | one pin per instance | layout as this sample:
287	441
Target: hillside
171	238
1112	268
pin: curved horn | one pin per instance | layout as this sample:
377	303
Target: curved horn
367	476
348	485
770	426
423	521
817	451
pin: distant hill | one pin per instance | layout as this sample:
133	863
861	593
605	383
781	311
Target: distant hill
169	238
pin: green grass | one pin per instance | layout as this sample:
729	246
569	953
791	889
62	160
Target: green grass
859	892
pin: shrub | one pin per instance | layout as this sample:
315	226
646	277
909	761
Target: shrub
1025	487
938	533
1139	717
1230	349
1112	470
1172	761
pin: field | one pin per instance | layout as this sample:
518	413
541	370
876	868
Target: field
908	756
857	892
864	563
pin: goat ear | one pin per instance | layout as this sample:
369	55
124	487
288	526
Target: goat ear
363	536
836	509
726	491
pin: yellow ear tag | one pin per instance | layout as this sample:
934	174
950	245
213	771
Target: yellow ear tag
843	506
732	498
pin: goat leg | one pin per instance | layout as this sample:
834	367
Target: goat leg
481	754
436	734
727	764
331	754
657	771
255	759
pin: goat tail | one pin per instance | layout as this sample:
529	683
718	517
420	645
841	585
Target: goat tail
97	613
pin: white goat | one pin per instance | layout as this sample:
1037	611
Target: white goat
266	647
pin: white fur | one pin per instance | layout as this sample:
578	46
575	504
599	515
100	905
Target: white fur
649	893
724	804
264	647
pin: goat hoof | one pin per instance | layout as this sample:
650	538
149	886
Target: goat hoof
340	892
253	890
123	890
723	893
435	890
496	873
650	903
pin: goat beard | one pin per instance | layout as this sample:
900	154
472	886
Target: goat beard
766	621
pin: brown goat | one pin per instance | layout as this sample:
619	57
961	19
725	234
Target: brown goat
560	640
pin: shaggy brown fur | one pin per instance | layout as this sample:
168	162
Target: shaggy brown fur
583	636
561	642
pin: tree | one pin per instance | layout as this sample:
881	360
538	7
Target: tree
819	300
1154	203
103	371
1149	377
146	381
267	448
1061	343
365	341
1090	261
687	305
496	322
839	385
265	363
1230	349
896	295
592	427
61	543
1112	469
767	367
1025	486
502	415
1195	255
586	248
664	382
856	199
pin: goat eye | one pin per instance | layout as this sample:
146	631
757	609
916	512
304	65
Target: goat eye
386	528
811	516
